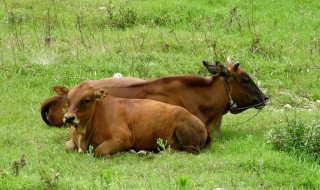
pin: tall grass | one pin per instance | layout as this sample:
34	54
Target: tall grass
298	137
46	43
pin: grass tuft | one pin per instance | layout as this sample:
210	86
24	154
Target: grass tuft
297	136
47	43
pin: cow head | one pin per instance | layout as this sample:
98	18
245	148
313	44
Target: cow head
53	108
81	105
242	91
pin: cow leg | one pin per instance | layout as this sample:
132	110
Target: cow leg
172	150
110	147
76	142
70	146
73	143
189	136
215	128
179	144
80	139
192	149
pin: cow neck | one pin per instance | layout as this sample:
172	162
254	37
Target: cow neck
100	112
223	91
232	105
94	124
86	137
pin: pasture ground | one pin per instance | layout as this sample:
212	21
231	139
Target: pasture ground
47	43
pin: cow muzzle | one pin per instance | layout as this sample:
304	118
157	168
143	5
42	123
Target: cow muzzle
264	103
70	119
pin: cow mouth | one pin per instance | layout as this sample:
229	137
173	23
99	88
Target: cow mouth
262	104
260	107
71	123
236	109
75	125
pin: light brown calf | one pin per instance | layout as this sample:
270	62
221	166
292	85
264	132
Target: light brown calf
113	124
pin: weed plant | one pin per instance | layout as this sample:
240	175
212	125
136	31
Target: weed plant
296	136
47	43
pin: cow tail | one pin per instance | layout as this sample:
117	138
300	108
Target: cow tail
45	110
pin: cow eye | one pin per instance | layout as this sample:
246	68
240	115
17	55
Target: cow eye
246	80
87	100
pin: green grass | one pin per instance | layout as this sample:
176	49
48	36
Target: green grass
277	42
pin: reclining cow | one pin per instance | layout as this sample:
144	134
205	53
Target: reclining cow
54	107
209	98
112	124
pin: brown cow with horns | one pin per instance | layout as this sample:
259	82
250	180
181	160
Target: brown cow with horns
112	124
209	98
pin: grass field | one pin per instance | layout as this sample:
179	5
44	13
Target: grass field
47	43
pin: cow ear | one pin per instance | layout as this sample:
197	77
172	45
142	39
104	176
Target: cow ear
60	90
236	65
99	94
216	68
212	68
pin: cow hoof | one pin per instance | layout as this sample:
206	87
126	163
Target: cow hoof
142	153
117	75
132	151
70	146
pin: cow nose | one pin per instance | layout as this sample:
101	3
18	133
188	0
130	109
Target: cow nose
266	99
69	118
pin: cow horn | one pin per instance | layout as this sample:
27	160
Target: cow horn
229	60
